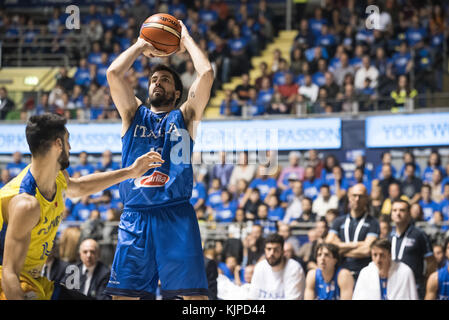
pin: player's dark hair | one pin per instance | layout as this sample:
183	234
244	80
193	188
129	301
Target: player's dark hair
178	83
382	244
333	249
42	130
274	238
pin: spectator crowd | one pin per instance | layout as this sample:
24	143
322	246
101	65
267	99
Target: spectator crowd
337	63
230	34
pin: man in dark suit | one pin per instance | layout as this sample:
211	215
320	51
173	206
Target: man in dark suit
94	274
55	269
212	275
6	104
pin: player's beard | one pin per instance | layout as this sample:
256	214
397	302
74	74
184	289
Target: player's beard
63	159
272	261
162	100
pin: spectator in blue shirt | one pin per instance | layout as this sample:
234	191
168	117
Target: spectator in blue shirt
311	185
326	39
330	161
81	210
58	19
110	20
415	33
265	184
409	157
266	93
433	163
199	195
82	75
16	165
316	23
92	15
95	56
444	204
338	184
252	105
101	70
318	77
83	167
106	163
275	212
402	61
177	9
385	159
230	106
225	210
213	195
279	75
356	60
427	204
238	46
359	177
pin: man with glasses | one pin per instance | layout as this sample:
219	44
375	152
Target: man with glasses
354	232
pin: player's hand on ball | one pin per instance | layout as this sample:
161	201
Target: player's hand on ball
184	34
144	163
149	50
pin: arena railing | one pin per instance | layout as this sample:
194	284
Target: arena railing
17	53
215	231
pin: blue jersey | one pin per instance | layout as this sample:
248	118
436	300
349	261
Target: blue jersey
198	192
443	283
264	186
172	182
428	209
213	199
312	188
383	288
326	290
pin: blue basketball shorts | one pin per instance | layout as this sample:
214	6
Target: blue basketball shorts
160	243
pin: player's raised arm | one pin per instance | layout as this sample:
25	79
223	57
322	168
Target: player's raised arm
121	92
95	182
199	92
24	215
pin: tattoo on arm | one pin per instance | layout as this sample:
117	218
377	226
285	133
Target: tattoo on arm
192	94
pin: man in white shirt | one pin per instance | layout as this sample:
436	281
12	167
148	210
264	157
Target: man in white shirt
309	91
383	278
275	277
324	201
366	71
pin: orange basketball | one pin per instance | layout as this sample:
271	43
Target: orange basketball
163	31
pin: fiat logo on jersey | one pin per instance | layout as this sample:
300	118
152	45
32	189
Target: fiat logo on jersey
156	179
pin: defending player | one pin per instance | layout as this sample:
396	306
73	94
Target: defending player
31	206
159	235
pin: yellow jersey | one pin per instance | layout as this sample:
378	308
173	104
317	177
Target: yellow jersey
44	233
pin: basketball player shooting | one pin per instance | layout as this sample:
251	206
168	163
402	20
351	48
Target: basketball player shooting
158	235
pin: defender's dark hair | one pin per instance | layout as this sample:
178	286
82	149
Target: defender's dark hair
274	238
178	83
42	130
